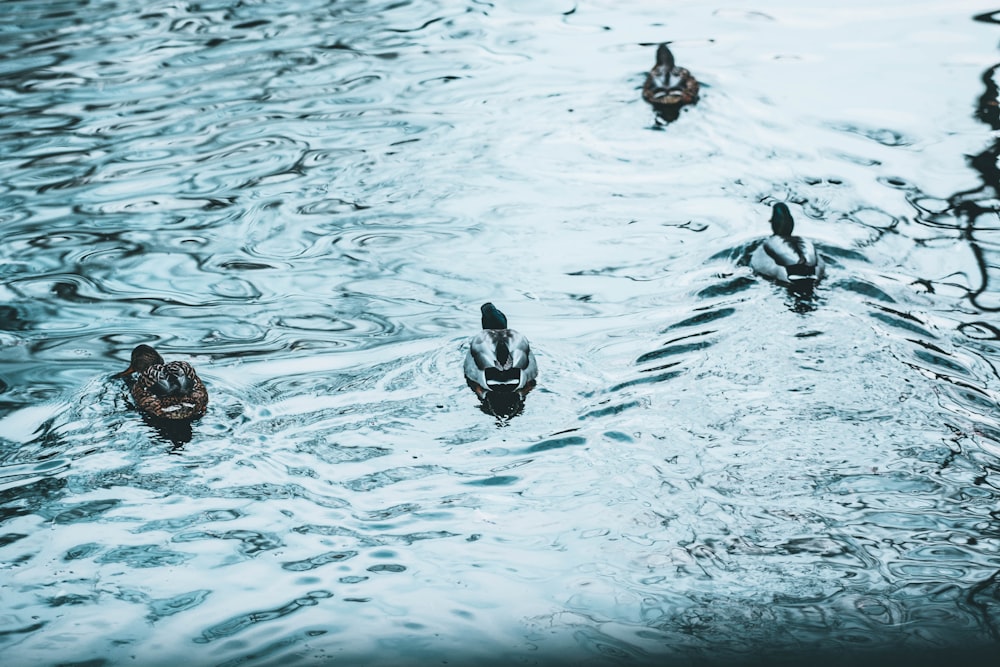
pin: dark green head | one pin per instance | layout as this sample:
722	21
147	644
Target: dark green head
492	317
664	58
781	220
143	356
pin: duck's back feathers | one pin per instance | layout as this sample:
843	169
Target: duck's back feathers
667	86
788	259
170	391
500	360
165	390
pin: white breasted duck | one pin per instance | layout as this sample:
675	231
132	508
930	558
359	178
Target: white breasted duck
500	366
787	259
668	87
171	391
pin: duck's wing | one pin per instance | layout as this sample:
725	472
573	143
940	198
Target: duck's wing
482	352
657	83
524	360
477	361
193	399
686	87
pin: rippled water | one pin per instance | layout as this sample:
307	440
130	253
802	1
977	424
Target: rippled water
310	200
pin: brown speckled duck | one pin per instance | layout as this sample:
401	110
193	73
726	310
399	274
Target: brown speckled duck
165	391
668	87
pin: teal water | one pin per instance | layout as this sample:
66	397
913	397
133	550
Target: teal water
309	200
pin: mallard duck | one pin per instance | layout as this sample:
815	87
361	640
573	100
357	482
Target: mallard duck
500	366
791	260
668	87
165	391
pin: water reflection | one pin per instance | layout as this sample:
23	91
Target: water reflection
971	205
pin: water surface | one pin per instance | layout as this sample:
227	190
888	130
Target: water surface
310	200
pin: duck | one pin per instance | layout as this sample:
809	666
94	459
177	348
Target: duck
169	391
500	366
785	258
668	87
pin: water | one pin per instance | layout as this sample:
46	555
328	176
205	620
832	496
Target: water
310	200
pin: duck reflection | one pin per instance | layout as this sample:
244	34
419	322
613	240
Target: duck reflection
177	433
500	366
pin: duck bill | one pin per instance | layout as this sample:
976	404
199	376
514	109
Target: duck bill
124	374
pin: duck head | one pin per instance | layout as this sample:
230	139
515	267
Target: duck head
664	58
781	220
143	356
492	317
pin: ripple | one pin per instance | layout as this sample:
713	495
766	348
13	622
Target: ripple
159	609
251	542
143	556
884	136
394	476
242	622
185	522
84	511
980	330
319	561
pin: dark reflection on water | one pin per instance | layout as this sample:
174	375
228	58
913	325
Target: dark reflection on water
305	198
972	205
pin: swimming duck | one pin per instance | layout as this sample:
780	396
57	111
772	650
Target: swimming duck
166	391
500	366
788	259
668	87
